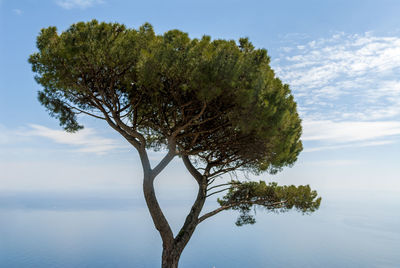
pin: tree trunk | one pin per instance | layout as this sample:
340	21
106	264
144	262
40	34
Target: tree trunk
172	252
156	213
170	258
172	247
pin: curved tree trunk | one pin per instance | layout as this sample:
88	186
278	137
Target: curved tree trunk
171	255
172	247
156	213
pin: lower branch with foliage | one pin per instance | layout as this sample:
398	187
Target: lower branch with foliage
243	196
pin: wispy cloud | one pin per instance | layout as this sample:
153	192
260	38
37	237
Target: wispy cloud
351	77
348	145
86	140
347	87
349	131
334	163
81	4
330	135
10	136
18	11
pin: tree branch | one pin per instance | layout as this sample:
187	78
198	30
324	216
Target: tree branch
222	208
195	173
212	213
163	163
156	213
191	222
219	185
84	112
218	191
129	130
176	132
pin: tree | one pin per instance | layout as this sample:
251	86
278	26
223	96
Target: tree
215	104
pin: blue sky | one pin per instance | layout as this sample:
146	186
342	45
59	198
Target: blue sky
341	59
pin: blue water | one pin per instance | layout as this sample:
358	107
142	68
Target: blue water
74	230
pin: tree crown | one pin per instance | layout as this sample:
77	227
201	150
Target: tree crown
217	101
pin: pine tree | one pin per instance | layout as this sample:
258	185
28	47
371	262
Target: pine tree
215	104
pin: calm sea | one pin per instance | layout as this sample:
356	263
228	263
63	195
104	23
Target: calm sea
79	230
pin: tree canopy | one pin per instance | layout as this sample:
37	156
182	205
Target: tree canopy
217	104
220	100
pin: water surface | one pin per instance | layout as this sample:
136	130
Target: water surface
74	230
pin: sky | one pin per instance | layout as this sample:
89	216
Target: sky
340	58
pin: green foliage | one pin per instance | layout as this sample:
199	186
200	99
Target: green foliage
242	196
219	100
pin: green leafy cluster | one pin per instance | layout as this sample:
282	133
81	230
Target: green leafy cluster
219	99
86	61
242	196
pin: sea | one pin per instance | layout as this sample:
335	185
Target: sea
97	229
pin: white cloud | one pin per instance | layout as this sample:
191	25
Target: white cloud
349	131
4	135
82	4
349	77
347	87
334	163
10	136
348	145
18	11
85	140
349	134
